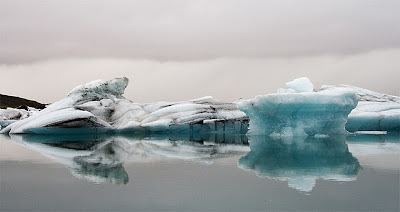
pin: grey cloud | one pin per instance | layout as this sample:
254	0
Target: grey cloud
227	79
194	30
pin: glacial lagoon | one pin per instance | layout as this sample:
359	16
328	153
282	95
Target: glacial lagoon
215	172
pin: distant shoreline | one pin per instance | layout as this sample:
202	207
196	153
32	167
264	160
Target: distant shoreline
18	102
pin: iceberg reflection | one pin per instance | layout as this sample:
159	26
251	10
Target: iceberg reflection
298	160
301	160
100	159
374	144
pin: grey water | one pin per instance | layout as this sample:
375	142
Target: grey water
357	172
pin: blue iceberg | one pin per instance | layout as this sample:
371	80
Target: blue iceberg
299	110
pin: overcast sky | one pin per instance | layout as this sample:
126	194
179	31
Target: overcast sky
177	50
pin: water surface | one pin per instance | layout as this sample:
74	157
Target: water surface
119	173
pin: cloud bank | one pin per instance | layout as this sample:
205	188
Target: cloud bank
194	30
227	79
178	49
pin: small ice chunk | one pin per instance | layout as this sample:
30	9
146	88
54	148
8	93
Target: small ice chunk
302	84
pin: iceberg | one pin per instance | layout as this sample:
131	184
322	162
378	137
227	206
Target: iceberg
99	106
374	112
333	109
301	160
299	110
11	115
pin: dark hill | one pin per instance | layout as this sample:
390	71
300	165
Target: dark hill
15	102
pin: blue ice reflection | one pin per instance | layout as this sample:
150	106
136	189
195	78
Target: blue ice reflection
301	160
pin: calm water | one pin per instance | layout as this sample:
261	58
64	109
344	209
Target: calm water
178	173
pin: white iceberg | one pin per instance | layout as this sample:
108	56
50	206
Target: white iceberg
299	110
99	105
11	115
374	112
